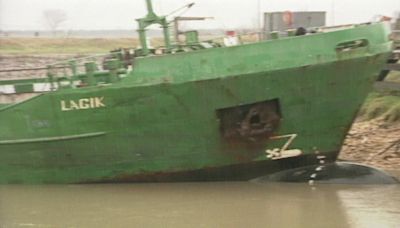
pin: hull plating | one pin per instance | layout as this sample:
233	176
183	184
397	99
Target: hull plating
123	132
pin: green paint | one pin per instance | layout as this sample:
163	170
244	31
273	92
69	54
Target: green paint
162	118
151	19
192	37
23	88
3	105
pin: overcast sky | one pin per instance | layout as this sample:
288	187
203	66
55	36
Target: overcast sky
120	14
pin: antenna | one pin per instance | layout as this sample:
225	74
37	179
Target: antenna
185	7
150	7
333	12
259	15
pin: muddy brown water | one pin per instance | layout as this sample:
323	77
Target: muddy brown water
231	204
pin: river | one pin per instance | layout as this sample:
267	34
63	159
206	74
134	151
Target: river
230	204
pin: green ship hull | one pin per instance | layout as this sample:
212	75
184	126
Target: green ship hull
214	114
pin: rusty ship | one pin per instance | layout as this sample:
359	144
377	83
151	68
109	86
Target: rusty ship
198	111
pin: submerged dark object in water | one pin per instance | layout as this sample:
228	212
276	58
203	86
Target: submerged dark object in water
333	173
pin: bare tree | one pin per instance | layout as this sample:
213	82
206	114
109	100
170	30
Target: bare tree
54	18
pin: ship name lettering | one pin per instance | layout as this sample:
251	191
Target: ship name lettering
82	104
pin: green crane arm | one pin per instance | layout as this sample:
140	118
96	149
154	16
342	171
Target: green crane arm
151	19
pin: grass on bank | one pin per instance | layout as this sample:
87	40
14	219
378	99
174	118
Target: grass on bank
385	106
63	45
39	45
394	76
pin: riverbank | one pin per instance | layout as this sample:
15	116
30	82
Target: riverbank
375	143
374	138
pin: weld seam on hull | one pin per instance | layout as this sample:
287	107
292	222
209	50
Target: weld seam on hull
52	139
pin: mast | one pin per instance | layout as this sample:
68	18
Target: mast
151	19
150	10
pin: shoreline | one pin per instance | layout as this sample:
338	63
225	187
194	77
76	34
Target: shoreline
374	143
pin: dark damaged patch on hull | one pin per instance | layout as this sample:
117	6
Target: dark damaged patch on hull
240	172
